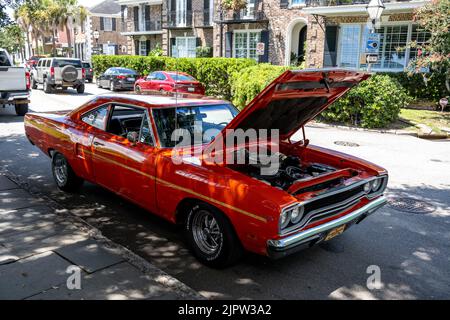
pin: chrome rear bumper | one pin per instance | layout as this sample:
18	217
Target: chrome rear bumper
293	243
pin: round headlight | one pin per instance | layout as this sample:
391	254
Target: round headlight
376	184
367	187
297	214
284	219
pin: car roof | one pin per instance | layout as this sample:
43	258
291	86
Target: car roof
164	101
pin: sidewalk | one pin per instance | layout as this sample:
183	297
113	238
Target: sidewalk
38	243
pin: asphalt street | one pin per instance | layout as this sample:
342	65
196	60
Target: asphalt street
411	250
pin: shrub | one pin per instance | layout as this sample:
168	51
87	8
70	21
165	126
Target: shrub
374	103
203	52
433	90
214	73
247	83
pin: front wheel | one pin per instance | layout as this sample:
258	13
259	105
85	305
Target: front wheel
111	86
211	237
47	87
64	176
21	109
33	83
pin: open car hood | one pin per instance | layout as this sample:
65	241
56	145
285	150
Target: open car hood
293	99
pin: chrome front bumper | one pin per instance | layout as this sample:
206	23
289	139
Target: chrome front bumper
285	246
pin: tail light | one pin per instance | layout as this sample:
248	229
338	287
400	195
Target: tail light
52	71
121	77
83	73
27	80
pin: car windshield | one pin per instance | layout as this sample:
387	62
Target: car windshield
66	62
86	65
181	77
125	71
207	120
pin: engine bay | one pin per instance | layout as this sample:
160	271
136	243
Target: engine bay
290	170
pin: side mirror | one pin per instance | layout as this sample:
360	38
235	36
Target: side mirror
133	137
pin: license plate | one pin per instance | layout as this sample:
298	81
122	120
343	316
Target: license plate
335	232
191	89
130	79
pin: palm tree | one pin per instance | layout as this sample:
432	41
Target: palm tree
22	16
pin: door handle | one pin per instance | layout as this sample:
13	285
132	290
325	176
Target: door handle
98	143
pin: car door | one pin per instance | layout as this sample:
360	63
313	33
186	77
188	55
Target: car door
149	82
123	166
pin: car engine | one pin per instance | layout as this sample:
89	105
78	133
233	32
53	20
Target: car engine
290	170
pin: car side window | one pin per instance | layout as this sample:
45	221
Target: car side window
160	76
97	118
146	136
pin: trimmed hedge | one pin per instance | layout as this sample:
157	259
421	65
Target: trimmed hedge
214	73
247	83
374	103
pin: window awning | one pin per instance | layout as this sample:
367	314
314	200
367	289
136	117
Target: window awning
360	9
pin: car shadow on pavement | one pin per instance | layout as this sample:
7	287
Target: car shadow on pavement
409	249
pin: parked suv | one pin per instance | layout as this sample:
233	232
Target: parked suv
88	72
62	73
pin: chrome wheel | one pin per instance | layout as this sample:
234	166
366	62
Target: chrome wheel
61	172
206	232
138	89
111	86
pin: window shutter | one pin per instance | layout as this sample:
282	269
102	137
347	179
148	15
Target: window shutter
198	42
284	3
136	17
113	24
116	49
172	44
136	47
206	12
102	24
265	40
228	44
173	5
189	13
147	46
330	52
122	12
147	18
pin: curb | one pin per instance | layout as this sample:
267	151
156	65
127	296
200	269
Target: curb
140	263
396	132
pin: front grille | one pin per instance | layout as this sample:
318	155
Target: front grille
329	204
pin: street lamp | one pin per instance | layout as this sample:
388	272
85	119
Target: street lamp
375	9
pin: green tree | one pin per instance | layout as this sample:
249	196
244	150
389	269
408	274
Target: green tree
434	18
11	38
234	5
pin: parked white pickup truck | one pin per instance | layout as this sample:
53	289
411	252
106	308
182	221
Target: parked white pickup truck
14	84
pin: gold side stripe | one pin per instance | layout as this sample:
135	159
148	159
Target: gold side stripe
177	187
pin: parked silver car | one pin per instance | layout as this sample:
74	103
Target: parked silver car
55	73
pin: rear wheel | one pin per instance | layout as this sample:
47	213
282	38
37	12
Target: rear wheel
211	237
64	176
138	89
80	88
21	109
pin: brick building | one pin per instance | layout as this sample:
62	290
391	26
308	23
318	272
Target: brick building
104	20
322	33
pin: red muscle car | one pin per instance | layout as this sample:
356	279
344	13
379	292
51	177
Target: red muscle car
169	83
125	144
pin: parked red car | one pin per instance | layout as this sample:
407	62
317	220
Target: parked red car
169	82
124	143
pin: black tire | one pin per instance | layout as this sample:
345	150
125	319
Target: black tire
228	248
21	109
90	80
65	177
138	89
47	88
33	84
80	88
